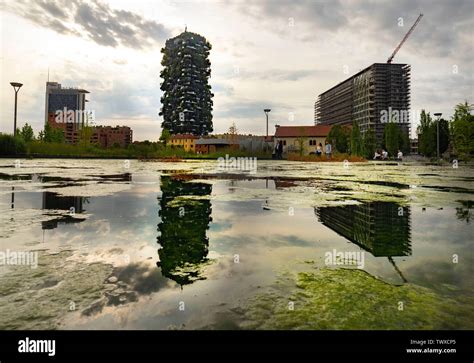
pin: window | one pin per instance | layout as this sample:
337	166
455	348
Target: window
284	142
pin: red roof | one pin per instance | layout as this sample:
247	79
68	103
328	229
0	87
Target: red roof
298	131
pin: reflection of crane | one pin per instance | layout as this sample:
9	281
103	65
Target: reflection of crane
397	269
389	60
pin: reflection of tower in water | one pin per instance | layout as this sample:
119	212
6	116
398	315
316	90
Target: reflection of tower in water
381	228
185	218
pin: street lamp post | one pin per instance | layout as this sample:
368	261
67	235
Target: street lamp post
16	87
438	115
267	110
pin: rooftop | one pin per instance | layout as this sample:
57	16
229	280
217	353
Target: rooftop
305	131
362	71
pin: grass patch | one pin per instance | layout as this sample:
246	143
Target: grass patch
353	299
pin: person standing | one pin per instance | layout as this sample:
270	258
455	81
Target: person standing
280	150
328	150
319	149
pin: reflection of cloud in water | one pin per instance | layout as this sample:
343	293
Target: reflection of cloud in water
442	274
143	278
126	284
101	227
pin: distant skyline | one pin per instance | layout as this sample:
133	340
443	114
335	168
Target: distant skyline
275	54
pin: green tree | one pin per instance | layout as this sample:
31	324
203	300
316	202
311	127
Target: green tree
462	129
426	135
370	143
339	138
403	140
165	136
53	134
11	145
187	97
391	138
357	146
27	133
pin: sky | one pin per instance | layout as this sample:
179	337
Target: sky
265	54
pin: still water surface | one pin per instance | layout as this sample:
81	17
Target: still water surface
179	246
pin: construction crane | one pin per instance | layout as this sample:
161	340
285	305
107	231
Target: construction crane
389	60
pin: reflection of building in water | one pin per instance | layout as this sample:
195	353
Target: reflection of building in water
184	221
72	204
381	228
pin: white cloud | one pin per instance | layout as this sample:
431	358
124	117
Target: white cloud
260	57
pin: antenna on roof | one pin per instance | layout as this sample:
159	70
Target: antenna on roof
48	74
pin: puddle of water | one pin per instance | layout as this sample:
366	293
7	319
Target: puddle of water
189	248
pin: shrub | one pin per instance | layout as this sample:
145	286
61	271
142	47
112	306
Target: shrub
10	145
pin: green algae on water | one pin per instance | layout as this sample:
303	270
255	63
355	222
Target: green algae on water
353	299
39	298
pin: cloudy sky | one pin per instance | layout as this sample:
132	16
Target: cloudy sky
276	54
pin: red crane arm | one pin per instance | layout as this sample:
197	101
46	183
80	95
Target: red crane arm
404	39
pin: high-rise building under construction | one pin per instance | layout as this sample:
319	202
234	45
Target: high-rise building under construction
374	96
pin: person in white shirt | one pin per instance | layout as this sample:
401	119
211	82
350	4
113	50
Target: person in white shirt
319	149
400	155
384	155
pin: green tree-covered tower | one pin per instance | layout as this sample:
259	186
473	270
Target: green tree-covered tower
187	99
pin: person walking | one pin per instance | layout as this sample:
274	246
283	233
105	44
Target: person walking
328	150
400	155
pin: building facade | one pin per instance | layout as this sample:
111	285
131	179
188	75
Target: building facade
295	137
373	97
65	105
186	141
211	145
108	136
65	109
